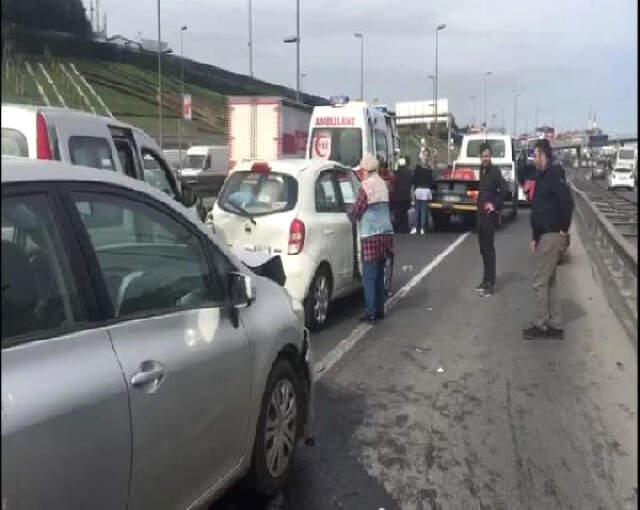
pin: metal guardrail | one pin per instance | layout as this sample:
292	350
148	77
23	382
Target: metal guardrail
619	256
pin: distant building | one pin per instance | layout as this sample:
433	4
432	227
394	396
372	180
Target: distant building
122	41
152	45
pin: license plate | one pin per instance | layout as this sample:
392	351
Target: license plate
451	198
263	249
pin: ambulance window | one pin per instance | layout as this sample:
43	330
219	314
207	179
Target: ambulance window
381	145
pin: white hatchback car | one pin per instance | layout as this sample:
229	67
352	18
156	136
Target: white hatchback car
621	178
297	209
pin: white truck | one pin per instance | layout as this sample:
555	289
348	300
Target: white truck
456	190
266	128
345	130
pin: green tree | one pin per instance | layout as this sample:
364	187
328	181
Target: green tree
67	16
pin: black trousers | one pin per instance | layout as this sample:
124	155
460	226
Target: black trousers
400	211
486	232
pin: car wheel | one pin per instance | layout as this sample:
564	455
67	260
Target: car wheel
278	430
317	303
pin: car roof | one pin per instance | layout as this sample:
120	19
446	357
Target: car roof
16	169
292	167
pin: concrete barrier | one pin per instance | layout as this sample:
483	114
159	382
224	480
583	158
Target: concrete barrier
618	257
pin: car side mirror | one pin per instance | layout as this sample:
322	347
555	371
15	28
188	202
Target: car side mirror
241	290
187	195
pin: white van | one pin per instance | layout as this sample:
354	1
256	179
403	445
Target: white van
626	157
346	130
206	167
90	140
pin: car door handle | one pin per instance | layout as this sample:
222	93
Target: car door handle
150	372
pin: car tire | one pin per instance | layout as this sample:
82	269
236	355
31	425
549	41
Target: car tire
316	304
278	430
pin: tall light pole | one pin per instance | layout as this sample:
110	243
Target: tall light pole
515	114
435	125
473	101
486	76
433	90
182	30
296	40
361	37
302	77
535	128
250	39
159	82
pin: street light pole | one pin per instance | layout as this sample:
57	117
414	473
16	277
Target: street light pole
473	119
298	50
433	90
515	114
486	75
182	29
250	39
535	128
361	37
159	82
435	124
302	77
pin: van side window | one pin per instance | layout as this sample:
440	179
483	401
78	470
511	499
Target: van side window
91	151
381	144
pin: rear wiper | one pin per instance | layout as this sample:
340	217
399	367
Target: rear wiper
241	211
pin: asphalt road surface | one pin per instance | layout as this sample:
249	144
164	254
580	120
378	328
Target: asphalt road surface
444	405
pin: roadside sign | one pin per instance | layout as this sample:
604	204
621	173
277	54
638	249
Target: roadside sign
186	106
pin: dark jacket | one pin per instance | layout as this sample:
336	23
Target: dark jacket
552	205
492	188
422	177
402	190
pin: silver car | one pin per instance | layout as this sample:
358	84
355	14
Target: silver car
143	365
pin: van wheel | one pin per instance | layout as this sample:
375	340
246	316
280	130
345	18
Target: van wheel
278	430
316	305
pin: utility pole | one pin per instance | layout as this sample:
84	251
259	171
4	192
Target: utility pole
435	124
515	114
159	82
298	50
250	39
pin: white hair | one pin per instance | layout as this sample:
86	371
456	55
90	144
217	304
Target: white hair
369	163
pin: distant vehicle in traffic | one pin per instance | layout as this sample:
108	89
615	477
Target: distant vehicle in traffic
621	178
626	158
206	167
346	130
175	157
266	128
297	209
456	190
137	350
90	140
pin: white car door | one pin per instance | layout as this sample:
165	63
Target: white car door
186	365
332	225
349	186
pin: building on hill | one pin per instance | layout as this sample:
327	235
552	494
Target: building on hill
123	42
152	45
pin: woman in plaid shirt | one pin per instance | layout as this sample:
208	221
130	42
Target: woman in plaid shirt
371	211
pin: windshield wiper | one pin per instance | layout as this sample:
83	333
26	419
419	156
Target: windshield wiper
241	211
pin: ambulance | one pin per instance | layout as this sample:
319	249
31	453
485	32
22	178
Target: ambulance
345	130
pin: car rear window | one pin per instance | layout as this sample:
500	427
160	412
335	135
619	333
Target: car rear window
91	151
497	148
14	143
259	193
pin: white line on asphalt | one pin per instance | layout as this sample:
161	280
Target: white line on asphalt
325	364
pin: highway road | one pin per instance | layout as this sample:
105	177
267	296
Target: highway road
444	405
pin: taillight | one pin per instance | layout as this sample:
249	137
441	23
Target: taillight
296	237
42	138
473	193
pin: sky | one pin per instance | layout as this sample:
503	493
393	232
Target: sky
566	58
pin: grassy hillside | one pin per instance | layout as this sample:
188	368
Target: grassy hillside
40	67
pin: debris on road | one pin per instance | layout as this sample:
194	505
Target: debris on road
421	350
620	364
440	370
407	268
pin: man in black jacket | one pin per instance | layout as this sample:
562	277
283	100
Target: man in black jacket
400	198
551	212
492	189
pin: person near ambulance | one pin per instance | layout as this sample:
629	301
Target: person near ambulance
371	211
491	191
422	183
551	213
400	197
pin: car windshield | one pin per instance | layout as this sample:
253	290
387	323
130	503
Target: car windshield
626	154
195	161
259	194
497	148
343	145
622	170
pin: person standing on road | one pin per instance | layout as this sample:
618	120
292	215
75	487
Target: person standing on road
491	191
422	183
371	211
400	198
551	213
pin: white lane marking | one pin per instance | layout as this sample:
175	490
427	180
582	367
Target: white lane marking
326	363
